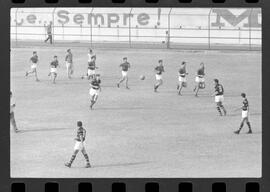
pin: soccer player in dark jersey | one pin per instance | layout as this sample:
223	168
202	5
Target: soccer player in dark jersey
159	70
200	82
79	146
125	67
219	98
11	113
91	68
34	62
69	63
53	71
182	79
94	90
245	111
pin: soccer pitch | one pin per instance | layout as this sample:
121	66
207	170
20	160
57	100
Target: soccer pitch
136	132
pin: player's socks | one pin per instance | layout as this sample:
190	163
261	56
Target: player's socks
218	108
249	126
237	132
177	87
224	110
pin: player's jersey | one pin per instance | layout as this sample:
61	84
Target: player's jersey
12	103
219	89
95	84
69	58
159	69
245	105
200	72
92	65
54	64
49	29
34	59
81	132
125	66
182	71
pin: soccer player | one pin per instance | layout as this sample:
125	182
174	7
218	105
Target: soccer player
53	65
49	32
200	82
159	70
11	113
79	146
90	54
94	90
245	111
34	61
182	80
69	63
91	69
125	67
219	98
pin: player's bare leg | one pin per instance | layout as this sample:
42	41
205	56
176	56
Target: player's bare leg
68	164
197	87
54	77
242	125
223	108
36	75
180	88
27	73
121	80
93	101
160	82
13	122
127	83
88	165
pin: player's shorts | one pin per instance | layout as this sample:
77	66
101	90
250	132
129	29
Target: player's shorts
199	79
91	72
93	92
124	73
33	66
219	98
69	65
182	79
244	113
79	146
53	70
158	77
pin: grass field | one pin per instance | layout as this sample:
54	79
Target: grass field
136	132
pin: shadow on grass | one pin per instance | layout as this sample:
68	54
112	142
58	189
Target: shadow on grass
43	129
122	164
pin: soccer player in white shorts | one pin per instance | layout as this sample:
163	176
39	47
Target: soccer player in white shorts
245	111
94	90
125	67
53	68
159	70
69	63
34	62
79	146
199	79
219	98
182	79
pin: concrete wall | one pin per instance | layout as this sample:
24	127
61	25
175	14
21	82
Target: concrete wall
151	25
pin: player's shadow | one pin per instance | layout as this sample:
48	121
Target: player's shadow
120	108
43	129
122	164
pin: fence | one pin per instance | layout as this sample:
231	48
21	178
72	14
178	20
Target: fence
203	28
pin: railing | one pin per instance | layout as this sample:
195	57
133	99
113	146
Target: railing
203	28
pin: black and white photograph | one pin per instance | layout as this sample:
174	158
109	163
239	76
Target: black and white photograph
135	92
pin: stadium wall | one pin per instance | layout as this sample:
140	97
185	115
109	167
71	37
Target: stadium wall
169	27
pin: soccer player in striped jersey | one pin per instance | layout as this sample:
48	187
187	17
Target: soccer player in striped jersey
79	146
91	69
34	62
69	63
182	79
200	82
94	90
219	98
53	65
245	111
125	67
159	70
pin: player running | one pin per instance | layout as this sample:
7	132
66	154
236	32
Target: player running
219	98
125	67
79	146
53	71
245	111
159	70
34	61
94	90
91	69
200	82
182	80
11	113
69	63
